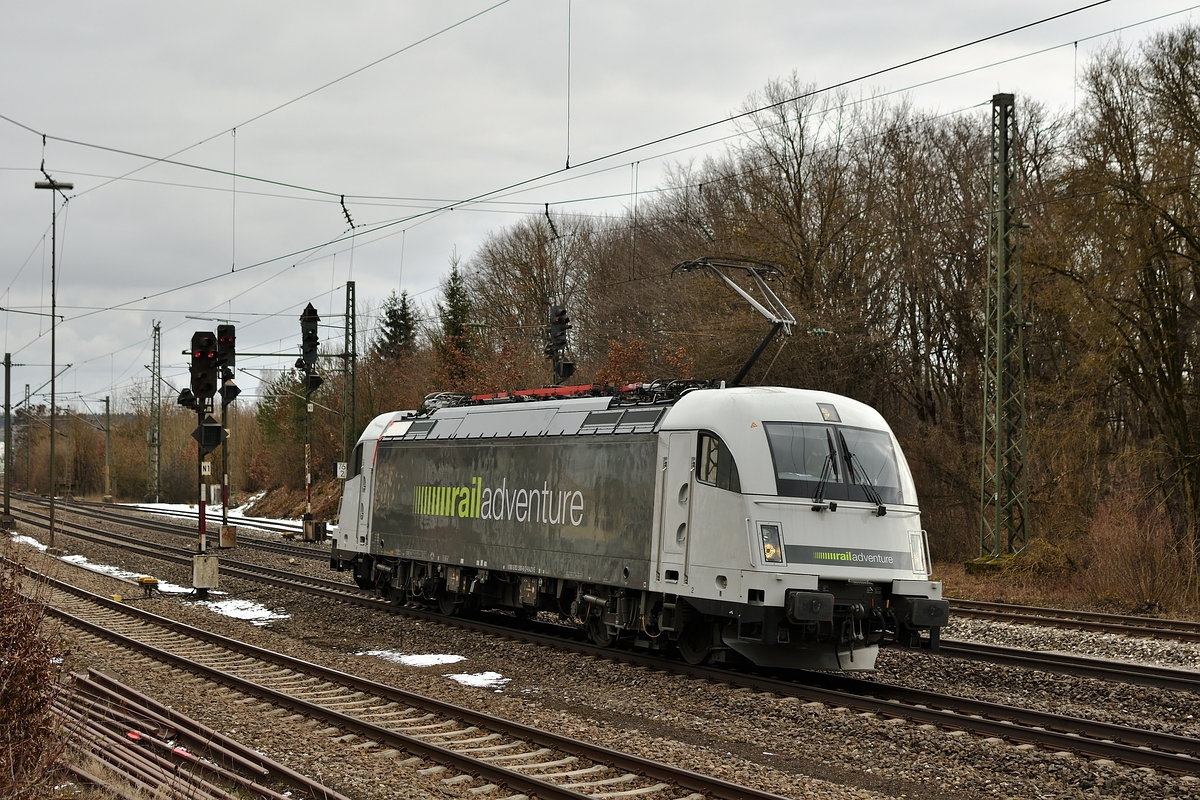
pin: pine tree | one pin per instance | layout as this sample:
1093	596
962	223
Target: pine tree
455	311
398	327
455	348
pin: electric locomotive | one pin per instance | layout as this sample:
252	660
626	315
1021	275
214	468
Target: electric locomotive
777	524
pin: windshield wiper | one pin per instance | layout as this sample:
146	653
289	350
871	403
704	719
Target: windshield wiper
868	487
830	466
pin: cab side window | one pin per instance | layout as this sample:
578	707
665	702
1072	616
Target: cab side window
715	464
356	460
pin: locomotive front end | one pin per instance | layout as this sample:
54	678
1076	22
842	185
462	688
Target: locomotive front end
820	520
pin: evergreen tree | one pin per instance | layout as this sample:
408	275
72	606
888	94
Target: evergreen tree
455	347
455	310
398	327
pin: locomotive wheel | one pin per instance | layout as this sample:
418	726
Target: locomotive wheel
696	640
446	604
598	632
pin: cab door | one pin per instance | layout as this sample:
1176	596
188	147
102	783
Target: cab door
351	523
676	504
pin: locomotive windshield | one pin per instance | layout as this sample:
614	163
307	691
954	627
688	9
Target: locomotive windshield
850	461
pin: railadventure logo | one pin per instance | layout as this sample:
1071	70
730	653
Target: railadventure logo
850	555
474	501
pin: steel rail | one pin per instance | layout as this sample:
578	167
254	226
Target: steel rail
1060	732
123	704
134	517
250	522
95	738
687	779
1098	622
1102	669
1146	675
180	555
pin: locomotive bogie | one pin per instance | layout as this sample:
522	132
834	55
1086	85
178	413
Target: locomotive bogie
777	524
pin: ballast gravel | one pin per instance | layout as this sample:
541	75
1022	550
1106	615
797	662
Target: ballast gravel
775	744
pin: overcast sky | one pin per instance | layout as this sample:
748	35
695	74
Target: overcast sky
478	101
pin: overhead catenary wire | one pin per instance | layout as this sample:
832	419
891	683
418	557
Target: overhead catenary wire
340	239
328	195
658	140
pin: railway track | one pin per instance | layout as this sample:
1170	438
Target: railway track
1181	680
484	752
1180	630
129	744
230	566
138	517
1101	740
273	525
951	712
1146	675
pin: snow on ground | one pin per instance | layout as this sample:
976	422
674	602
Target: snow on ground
236	515
117	572
413	659
29	540
255	613
484	680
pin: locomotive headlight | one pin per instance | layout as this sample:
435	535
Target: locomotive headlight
920	549
772	548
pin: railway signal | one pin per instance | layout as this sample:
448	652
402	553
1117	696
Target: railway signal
229	390
209	435
563	370
560	323
207	353
204	365
309	345
309	339
226	346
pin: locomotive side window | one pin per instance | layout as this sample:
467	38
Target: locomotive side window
356	461
715	464
843	463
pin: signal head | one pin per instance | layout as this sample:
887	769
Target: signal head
226	345
204	365
309	338
560	323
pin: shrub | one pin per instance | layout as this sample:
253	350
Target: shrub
29	672
1134	558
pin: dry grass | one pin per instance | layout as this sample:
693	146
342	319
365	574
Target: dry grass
1119	574
29	681
1009	587
289	504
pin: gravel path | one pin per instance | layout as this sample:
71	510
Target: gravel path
777	744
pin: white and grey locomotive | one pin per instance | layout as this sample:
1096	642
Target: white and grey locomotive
781	524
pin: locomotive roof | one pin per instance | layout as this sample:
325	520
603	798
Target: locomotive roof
714	409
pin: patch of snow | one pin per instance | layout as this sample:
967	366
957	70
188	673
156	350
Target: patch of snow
236	515
255	613
413	659
32	542
483	680
117	572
